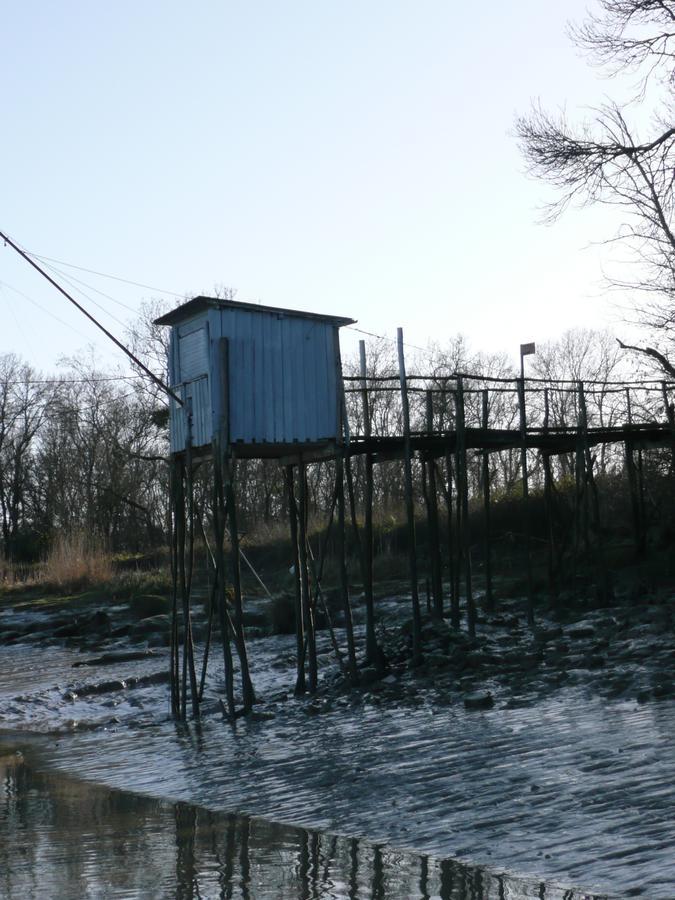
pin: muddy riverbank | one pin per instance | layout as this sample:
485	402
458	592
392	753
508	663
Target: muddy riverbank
565	775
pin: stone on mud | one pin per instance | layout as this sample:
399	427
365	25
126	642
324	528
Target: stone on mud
151	625
479	700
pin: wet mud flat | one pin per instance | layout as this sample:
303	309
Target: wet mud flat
566	776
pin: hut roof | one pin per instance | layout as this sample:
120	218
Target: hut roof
199	304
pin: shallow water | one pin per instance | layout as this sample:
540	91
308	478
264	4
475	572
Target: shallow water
571	789
63	838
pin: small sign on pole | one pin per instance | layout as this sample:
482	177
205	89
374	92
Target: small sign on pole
525	350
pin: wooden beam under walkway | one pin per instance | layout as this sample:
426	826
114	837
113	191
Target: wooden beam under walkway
552	441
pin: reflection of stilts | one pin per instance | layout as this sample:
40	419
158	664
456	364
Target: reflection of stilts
187	876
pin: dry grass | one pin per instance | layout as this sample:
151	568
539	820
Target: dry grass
76	560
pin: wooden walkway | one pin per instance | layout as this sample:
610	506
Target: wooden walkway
552	441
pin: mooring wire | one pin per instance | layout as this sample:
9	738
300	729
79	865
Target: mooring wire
158	381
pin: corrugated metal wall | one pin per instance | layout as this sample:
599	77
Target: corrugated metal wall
283	376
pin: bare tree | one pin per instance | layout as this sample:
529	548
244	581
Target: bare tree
607	161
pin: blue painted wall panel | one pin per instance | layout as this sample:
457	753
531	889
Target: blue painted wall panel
282	377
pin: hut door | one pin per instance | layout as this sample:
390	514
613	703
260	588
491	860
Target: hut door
193	367
193	353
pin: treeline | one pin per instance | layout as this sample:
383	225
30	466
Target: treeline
79	452
85	450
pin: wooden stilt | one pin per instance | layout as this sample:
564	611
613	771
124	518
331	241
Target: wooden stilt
459	508
319	598
342	564
188	641
641	489
604	585
212	581
548	504
188	659
670	416
371	641
248	693
300	682
432	521
489	597
463	488
410	508
308	613
174	476
219	514
453	570
526	500
632	473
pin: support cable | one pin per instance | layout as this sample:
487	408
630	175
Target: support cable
158	381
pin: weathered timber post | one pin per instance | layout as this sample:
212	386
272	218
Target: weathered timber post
300	683
548	503
526	499
308	612
632	474
463	488
410	508
371	641
248	693
188	650
489	597
342	565
432	518
670	415
174	680
578	521
582	441
605	586
452	569
188	642
223	614
212	584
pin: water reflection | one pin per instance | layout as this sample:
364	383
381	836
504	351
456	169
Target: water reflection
63	838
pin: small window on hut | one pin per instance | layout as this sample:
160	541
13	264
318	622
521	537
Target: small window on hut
193	354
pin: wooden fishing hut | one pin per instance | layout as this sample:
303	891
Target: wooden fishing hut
255	382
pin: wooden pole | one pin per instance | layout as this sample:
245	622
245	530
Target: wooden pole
548	503
219	514
489	597
188	641
300	682
248	693
432	521
368	555
526	498
459	506
453	572
342	564
174	475
188	653
213	594
410	508
308	613
670	416
631	471
605	581
463	486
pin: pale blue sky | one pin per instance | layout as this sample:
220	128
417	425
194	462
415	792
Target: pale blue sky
354	158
